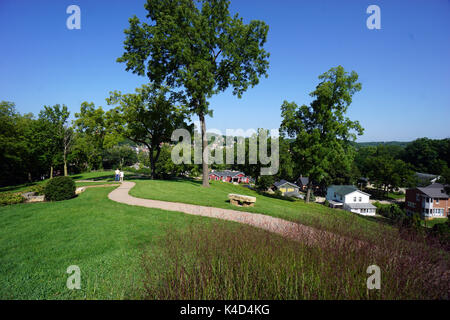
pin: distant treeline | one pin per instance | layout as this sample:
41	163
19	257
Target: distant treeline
383	143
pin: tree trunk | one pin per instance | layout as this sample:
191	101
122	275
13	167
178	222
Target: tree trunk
29	177
51	172
65	163
152	164
308	194
205	169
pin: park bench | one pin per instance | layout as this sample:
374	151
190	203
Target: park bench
241	200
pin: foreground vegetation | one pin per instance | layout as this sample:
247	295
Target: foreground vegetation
220	263
128	252
105	239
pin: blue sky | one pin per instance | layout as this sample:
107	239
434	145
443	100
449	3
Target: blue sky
404	68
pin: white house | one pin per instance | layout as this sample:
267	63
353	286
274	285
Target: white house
351	199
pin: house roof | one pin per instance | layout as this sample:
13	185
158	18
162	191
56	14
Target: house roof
428	176
435	190
345	189
361	206
282	182
227	173
303	180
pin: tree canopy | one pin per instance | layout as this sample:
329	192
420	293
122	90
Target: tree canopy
147	117
199	49
321	132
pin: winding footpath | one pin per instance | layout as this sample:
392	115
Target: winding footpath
282	227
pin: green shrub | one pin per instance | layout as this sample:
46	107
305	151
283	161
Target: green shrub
278	193
38	188
59	188
7	198
264	183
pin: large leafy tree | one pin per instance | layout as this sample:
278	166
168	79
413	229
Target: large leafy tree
321	131
147	117
199	49
94	134
55	130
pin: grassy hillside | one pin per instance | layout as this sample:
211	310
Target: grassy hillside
319	216
130	252
104	238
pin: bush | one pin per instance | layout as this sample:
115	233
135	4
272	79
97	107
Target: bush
7	198
264	183
442	232
59	188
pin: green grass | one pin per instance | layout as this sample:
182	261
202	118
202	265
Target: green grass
431	223
105	239
95	183
396	196
192	192
95	175
21	187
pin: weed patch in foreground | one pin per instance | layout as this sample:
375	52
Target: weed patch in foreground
220	262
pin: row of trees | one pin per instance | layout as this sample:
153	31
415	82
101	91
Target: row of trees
32	147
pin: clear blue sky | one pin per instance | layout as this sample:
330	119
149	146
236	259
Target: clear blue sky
404	67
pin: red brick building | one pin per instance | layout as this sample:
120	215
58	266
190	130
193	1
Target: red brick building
430	202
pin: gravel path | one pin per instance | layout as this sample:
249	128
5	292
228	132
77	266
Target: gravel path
283	227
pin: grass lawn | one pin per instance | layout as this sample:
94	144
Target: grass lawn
105	239
21	187
94	183
97	177
191	191
431	223
119	248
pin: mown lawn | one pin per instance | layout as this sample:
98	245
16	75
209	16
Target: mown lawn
431	223
191	191
105	239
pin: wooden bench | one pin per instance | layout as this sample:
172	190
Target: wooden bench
241	200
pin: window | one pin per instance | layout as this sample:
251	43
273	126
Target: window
360	199
437	201
411	204
354	199
417	197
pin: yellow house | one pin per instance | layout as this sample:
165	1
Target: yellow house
286	187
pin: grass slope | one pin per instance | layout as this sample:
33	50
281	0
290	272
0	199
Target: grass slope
105	239
192	192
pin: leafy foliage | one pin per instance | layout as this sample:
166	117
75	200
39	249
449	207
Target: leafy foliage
7	198
321	132
59	188
200	49
264	183
147	117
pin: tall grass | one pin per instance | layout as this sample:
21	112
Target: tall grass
241	262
